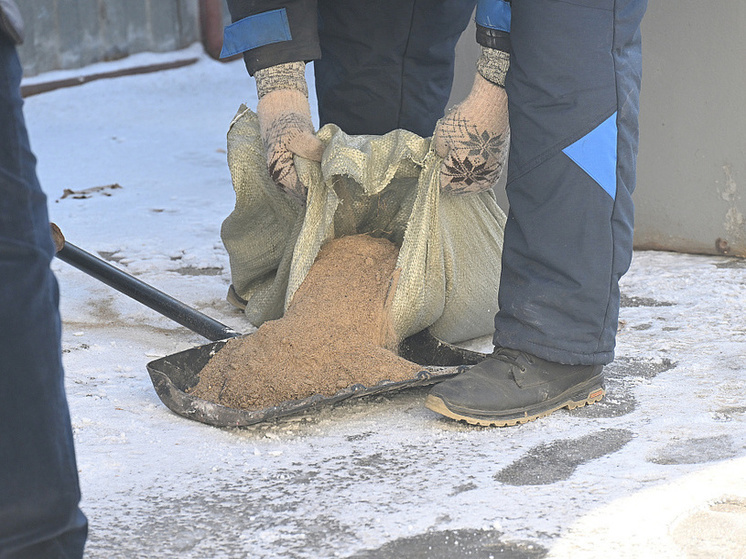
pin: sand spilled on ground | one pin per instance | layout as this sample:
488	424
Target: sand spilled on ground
336	333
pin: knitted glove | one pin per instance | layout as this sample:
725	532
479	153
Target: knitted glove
473	138
285	124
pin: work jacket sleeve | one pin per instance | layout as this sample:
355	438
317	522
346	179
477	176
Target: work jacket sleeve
271	32
493	24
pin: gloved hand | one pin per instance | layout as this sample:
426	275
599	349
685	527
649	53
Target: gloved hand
285	124
474	136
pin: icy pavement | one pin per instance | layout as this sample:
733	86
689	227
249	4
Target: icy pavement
658	469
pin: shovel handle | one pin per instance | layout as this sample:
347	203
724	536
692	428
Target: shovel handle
140	291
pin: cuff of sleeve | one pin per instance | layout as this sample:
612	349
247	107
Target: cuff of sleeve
493	65
283	31
493	38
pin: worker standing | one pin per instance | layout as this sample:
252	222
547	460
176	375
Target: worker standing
558	82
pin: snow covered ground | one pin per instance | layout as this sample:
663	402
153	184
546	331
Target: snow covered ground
658	469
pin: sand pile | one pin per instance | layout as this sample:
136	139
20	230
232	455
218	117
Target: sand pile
335	333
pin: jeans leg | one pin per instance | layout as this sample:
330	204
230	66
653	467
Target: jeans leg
39	514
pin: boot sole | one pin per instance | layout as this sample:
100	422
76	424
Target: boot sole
577	399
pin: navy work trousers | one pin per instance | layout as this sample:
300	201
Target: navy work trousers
573	94
39	491
387	64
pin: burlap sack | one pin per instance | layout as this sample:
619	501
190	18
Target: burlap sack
388	186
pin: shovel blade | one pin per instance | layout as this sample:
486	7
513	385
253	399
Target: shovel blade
174	375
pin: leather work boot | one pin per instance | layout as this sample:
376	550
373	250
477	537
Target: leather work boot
511	387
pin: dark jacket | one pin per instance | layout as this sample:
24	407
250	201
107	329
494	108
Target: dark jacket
270	32
300	20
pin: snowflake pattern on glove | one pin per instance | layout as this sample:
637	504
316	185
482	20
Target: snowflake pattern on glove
484	145
475	159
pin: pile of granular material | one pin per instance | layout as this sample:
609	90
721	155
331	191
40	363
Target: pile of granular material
335	333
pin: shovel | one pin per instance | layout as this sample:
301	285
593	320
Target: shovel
174	375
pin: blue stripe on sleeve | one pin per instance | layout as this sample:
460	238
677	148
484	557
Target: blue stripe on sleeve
494	14
256	31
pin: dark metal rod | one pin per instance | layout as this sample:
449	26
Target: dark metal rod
147	295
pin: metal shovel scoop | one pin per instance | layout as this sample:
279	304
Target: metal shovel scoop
174	375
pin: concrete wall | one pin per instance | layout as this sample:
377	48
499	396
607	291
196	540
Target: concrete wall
691	187
65	34
692	165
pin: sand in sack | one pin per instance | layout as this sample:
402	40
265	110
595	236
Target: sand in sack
335	333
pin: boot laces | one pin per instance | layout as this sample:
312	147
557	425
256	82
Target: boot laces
513	357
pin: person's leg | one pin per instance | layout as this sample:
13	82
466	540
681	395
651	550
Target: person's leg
39	514
387	65
573	95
